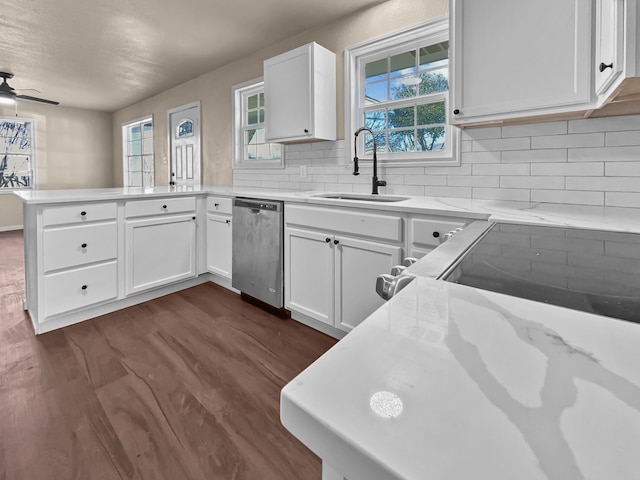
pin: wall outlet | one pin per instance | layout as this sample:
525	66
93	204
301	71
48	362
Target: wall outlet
303	171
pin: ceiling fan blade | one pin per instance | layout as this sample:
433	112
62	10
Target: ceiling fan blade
36	99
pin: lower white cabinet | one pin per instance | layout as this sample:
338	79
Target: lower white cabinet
219	244
159	251
427	232
330	276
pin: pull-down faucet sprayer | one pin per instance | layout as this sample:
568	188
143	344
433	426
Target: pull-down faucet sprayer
374	181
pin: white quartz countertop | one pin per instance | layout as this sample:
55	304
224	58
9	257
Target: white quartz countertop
477	385
603	218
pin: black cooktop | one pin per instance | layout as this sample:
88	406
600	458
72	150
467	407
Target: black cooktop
588	270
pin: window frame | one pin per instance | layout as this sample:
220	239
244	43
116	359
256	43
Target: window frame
240	92
423	34
32	154
125	151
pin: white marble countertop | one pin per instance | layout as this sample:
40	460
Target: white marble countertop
484	385
605	218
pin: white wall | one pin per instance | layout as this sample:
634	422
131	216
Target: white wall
585	162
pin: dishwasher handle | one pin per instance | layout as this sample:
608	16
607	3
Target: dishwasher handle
255	205
255	211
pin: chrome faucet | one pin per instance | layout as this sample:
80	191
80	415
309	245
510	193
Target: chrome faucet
374	182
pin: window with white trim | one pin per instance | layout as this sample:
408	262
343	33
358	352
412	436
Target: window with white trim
251	150
17	152
398	86
137	147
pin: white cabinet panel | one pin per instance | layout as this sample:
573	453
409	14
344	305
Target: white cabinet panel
77	245
219	244
309	274
220	205
73	289
358	263
426	233
160	206
609	62
159	251
79	213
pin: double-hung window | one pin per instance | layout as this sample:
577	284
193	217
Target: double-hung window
137	146
398	86
17	152
251	150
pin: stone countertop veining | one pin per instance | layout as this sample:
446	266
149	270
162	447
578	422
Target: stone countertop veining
446	381
590	217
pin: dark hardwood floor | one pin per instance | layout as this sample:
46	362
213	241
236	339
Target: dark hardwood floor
183	387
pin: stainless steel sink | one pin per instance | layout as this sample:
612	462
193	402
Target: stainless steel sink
361	197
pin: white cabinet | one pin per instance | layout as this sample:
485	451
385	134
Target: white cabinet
160	247
517	58
427	232
300	95
609	57
332	259
219	236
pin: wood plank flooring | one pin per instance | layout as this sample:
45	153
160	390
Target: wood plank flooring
183	387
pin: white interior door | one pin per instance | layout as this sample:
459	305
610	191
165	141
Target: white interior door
184	142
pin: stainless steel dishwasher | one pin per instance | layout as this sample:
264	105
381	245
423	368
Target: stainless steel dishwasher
258	259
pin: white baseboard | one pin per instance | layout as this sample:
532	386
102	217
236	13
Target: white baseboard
9	228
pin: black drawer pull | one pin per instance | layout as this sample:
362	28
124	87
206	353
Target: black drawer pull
603	66
164	206
327	239
83	287
228	221
84	245
83	213
456	111
193	218
335	242
216	204
436	234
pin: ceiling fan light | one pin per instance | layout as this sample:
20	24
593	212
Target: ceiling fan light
6	99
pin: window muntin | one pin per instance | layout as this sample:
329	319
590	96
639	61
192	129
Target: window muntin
139	169
251	147
398	86
17	151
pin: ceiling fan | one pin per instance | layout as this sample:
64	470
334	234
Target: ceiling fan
8	94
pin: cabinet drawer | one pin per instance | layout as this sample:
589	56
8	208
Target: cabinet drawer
430	232
72	246
159	206
73	289
219	204
374	225
79	212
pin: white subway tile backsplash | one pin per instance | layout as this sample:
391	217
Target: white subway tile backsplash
569	141
622	169
500	144
540	182
567	196
581	162
593	169
535	129
532	156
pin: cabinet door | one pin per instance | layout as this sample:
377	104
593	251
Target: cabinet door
219	244
309	274
609	42
287	90
358	263
516	58
159	251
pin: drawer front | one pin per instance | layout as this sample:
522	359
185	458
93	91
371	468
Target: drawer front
79	213
220	205
430	232
374	225
64	291
72	246
159	206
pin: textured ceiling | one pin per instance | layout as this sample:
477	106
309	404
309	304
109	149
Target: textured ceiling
108	54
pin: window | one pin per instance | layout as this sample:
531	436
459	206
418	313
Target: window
398	86
17	151
251	150
137	146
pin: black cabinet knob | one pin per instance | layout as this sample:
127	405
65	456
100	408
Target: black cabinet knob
228	221
603	66
327	239
436	234
456	111
83	213
335	242
306	130
84	245
193	218
164	206
216	204
83	287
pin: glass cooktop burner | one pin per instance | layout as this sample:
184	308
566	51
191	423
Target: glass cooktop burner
588	270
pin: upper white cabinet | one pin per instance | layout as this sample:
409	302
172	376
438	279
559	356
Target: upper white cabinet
609	57
300	95
517	58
